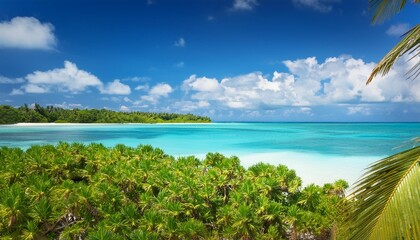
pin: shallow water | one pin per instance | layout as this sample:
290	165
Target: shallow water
320	151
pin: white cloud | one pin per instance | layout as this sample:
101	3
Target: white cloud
33	88
126	99
398	29
158	91
27	33
180	42
202	84
244	4
161	89
137	79
17	92
142	87
6	80
67	79
116	87
308	83
188	106
359	109
66	105
300	111
124	108
318	5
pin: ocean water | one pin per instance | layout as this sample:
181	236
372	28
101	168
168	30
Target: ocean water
319	152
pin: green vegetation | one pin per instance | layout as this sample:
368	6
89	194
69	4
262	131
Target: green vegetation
75	191
385	203
39	114
410	42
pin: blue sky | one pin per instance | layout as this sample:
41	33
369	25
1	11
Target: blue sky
232	60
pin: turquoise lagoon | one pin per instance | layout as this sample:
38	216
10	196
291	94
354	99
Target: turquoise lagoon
319	152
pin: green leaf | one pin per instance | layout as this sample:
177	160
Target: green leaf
385	203
384	9
409	44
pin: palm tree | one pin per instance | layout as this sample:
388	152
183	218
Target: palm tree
245	223
13	207
409	44
310	197
385	203
338	188
294	218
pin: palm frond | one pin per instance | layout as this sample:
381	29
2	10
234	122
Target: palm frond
385	203
384	9
409	44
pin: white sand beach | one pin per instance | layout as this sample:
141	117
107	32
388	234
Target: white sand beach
49	124
311	167
315	168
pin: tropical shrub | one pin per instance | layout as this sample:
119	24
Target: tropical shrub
75	191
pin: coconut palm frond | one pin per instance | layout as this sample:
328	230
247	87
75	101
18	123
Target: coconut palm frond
384	9
414	72
385	203
409	44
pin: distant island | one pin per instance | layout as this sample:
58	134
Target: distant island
51	114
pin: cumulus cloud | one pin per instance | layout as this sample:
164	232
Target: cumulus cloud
68	79
180	42
161	89
6	80
142	87
202	84
116	87
158	91
398	29
27	33
244	4
308	83
33	88
317	5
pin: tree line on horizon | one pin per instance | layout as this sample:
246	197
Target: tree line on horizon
51	114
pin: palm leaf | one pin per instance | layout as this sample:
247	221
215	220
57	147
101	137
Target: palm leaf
385	203
384	9
409	44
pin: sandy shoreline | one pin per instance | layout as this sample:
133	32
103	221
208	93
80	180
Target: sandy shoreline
315	168
311	167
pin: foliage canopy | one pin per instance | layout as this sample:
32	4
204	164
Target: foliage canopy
39	114
75	191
